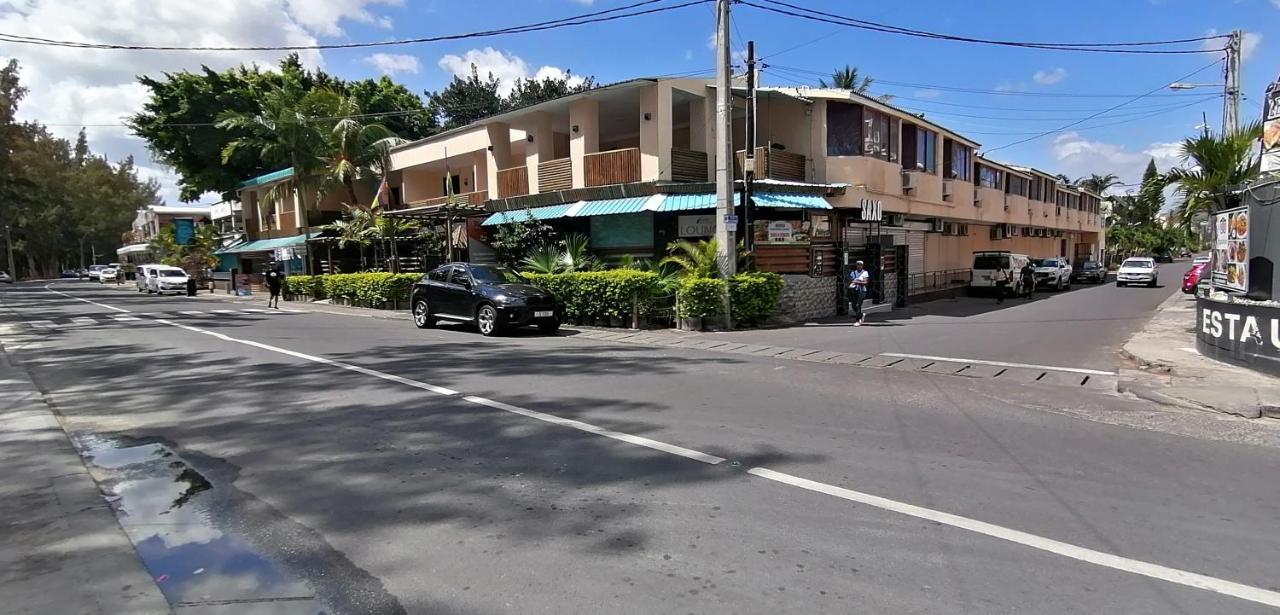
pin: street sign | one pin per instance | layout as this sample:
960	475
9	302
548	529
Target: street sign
730	219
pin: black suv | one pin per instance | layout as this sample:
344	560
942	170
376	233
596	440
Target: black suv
1089	271
492	297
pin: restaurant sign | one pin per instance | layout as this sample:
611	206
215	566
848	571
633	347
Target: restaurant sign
697	226
1231	249
1247	334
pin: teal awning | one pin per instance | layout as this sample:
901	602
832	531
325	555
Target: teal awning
273	176
264	245
655	202
792	201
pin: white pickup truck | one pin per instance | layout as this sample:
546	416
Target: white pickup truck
1053	272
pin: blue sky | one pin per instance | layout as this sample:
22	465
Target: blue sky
71	87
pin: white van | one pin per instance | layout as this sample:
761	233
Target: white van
164	278
140	276
986	263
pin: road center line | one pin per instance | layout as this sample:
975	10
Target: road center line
1074	370
1083	554
101	305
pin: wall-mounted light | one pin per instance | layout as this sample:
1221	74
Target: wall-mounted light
574	128
648	116
529	138
489	147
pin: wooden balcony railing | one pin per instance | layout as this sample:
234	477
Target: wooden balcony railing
513	182
620	166
555	175
774	164
465	198
688	165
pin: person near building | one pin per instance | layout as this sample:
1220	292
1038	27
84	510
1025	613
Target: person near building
275	282
1001	279
859	279
1028	275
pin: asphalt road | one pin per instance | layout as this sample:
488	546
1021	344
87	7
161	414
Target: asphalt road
1082	327
397	470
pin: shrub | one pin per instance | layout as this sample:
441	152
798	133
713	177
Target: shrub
700	297
589	295
373	289
311	285
754	296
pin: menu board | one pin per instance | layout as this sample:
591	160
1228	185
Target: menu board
1231	249
781	231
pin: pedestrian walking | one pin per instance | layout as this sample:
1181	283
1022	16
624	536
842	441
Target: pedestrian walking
1028	280
275	282
1001	278
859	278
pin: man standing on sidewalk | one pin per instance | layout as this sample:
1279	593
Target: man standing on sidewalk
275	282
859	278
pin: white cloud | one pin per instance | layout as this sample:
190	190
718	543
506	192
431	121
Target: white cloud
927	93
1276	3
392	63
1050	77
1076	156
1248	43
736	56
73	87
505	66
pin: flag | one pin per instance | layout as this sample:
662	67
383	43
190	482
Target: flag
383	197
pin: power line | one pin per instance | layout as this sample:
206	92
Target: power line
1134	99
1120	47
1094	126
577	20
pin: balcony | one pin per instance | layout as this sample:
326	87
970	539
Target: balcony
555	175
620	166
688	165
774	164
513	182
129	237
465	198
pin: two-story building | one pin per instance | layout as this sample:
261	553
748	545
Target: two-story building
150	221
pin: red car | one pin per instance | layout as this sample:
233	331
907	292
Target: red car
1192	278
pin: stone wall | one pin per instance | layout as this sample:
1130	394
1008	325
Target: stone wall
805	298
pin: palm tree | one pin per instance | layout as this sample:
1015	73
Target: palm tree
353	229
847	78
693	259
1216	164
355	150
1098	184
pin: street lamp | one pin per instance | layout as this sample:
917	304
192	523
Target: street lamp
1179	85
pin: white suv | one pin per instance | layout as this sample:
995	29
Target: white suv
1138	270
1053	272
166	279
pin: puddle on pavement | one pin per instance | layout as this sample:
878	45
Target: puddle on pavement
167	508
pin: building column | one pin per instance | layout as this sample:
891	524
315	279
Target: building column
655	132
708	130
479	171
698	131
497	156
584	136
541	147
818	142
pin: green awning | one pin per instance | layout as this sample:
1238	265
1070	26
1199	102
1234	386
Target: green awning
690	202
273	176
520	215
791	201
608	207
655	202
264	245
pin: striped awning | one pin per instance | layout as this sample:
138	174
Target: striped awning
264	245
655	202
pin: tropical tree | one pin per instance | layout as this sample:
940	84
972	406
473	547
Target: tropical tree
544	260
847	78
164	246
693	259
199	255
356	150
1214	164
353	229
1098	184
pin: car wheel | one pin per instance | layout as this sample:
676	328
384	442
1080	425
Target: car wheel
1119	284
549	327
421	315
487	320
1154	283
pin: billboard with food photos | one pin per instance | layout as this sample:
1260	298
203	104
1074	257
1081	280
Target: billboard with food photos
1231	249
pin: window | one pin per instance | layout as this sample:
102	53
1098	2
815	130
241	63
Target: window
844	129
459	276
876	138
957	160
989	177
1016	185
453	182
490	274
440	275
919	151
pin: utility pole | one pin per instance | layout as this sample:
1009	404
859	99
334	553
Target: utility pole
1231	98
749	164
8	243
727	247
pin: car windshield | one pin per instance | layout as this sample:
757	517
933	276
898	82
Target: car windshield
1092	265
488	274
1137	264
172	273
990	261
1044	262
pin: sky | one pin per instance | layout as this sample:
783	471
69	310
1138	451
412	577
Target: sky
1023	92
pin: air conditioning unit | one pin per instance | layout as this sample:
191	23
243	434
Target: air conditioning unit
937	225
962	230
997	232
977	201
894	219
1044	232
910	181
946	189
948	228
1027	231
1010	230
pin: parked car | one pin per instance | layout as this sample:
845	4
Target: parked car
1191	279
1053	272
1138	270
5	278
1089	271
69	273
1202	260
144	273
985	264
108	275
494	298
161	279
95	271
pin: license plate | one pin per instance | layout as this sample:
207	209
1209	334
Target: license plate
544	314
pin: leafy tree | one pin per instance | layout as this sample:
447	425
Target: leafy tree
466	100
516	240
1098	184
533	91
164	246
1217	163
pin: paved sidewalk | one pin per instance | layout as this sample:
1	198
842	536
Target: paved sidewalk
1169	370
61	548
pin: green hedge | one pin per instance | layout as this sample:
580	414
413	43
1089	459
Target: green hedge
700	297
754	297
592	295
373	289
311	285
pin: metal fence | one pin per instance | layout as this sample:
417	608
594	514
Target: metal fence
931	281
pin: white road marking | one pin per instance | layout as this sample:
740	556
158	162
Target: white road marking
191	312
291	311
1074	370
1115	562
125	318
101	305
82	320
224	311
41	324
